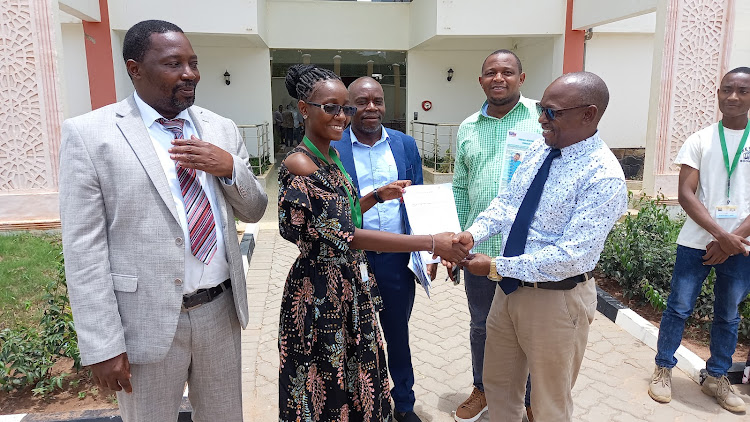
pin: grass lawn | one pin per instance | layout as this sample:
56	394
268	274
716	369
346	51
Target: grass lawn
27	263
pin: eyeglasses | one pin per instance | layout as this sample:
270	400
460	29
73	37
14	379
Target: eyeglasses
335	109
551	112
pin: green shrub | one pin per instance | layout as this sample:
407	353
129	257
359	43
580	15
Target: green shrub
640	254
260	165
28	354
442	164
642	249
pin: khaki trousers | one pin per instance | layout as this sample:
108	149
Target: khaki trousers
542	332
205	354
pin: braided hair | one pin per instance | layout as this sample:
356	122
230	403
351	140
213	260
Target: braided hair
301	79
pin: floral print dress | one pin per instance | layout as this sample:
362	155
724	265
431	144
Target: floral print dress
332	364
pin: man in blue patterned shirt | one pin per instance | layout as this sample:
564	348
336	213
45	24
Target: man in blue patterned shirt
542	326
481	165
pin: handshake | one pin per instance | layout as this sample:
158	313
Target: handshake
453	248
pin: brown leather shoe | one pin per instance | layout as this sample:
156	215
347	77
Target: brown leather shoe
529	414
472	408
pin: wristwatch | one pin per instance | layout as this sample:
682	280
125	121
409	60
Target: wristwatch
377	197
493	275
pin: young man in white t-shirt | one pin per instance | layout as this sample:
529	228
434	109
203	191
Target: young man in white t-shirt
714	191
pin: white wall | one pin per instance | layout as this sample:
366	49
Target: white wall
501	17
590	13
82	9
123	86
624	61
75	74
423	19
247	100
643	24
212	17
740	52
338	25
537	57
451	101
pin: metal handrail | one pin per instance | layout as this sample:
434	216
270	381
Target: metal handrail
432	138
262	147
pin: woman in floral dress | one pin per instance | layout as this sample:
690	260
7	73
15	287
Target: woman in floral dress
332	364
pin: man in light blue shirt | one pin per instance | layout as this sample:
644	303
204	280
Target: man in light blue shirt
375	156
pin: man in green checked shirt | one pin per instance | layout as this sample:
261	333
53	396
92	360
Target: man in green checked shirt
481	163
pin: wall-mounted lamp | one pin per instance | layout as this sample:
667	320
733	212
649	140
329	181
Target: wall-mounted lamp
226	77
450	74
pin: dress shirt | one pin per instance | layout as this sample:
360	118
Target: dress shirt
481	161
583	197
197	274
376	167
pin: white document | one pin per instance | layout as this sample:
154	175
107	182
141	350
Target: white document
431	209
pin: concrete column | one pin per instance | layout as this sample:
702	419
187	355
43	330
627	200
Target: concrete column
396	91
305	58
691	49
30	116
370	64
337	64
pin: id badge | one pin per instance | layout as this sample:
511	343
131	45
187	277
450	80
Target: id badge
363	271
726	211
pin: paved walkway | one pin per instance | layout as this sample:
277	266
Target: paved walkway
611	386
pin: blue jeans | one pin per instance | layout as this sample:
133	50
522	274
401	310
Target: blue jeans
731	287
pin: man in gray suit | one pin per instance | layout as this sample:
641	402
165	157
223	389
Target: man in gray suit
149	191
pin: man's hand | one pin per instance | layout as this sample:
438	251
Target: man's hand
464	238
714	254
477	264
732	244
393	190
113	374
447	249
196	154
432	271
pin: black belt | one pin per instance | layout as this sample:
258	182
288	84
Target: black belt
566	284
203	296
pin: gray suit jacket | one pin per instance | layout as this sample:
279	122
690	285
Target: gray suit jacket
123	246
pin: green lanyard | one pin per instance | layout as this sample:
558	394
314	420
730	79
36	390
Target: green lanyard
731	169
353	203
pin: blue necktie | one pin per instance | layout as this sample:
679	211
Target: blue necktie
516	243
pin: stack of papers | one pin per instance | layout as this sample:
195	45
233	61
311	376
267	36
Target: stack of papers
431	209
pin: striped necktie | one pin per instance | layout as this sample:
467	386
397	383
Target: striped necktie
200	217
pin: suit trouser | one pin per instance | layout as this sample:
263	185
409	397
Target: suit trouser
397	288
205	353
542	332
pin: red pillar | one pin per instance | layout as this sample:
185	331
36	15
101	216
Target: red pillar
100	65
573	52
